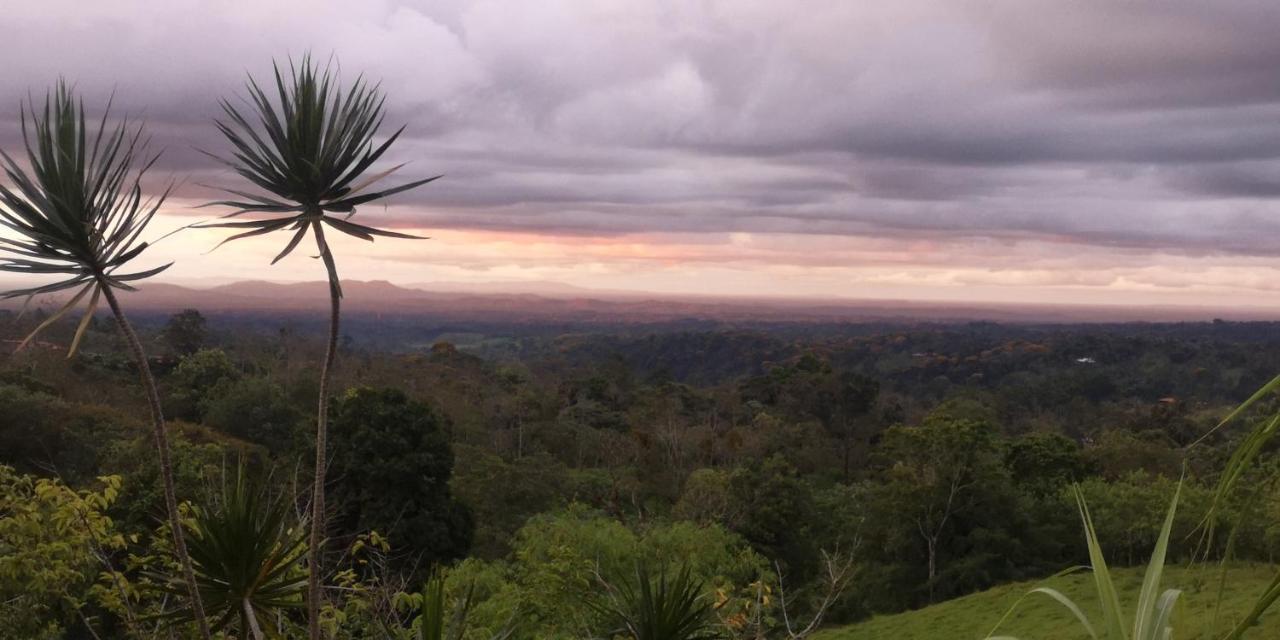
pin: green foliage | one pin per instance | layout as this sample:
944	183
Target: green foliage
945	489
53	543
775	510
252	408
1129	514
39	431
366	599
707	497
395	463
1237	473
662	607
556	559
1117	452
496	601
554	569
436	621
79	211
247	558
193	463
1043	463
966	406
203	369
431	620
195	378
725	478
503	495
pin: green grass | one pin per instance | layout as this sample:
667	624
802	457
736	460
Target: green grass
1039	618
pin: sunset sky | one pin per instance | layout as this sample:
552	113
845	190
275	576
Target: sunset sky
1018	151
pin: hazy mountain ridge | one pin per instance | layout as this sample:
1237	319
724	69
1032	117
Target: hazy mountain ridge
564	302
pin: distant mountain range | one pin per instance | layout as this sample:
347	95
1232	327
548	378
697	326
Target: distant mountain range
550	302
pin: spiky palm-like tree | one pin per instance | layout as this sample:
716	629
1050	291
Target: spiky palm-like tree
78	214
662	607
247	560
309	151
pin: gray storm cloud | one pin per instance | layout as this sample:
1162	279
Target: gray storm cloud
1146	125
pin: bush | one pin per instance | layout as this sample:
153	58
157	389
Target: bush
48	566
253	409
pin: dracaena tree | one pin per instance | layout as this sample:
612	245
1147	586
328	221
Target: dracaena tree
76	214
665	607
306	150
247	560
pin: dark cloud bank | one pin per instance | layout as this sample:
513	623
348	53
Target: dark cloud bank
1144	125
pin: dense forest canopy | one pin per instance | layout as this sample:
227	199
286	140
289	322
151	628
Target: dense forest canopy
930	460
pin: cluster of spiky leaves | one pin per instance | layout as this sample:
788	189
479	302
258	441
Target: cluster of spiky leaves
1236	476
662	607
247	560
1154	609
307	151
78	211
431	619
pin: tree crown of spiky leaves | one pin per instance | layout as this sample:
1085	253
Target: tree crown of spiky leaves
79	210
308	149
244	550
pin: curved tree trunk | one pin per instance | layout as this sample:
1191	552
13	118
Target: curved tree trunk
162	448
316	541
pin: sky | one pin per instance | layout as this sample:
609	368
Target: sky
998	150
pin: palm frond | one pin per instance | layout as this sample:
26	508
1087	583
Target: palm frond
305	142
77	210
247	559
662	607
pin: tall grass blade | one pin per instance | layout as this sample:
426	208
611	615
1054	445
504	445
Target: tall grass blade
1143	624
1109	600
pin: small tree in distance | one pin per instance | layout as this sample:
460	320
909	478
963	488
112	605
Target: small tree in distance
309	153
186	332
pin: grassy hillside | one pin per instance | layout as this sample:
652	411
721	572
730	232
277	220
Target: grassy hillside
1039	618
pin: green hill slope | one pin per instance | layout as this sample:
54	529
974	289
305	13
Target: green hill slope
1039	618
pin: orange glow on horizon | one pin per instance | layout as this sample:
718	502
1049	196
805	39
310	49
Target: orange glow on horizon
746	264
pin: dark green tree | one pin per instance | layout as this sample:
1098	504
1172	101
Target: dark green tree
186	332
946	518
394	463
775	514
196	376
1044	463
841	401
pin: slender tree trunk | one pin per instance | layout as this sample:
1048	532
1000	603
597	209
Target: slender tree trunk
251	628
933	565
314	595
162	448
